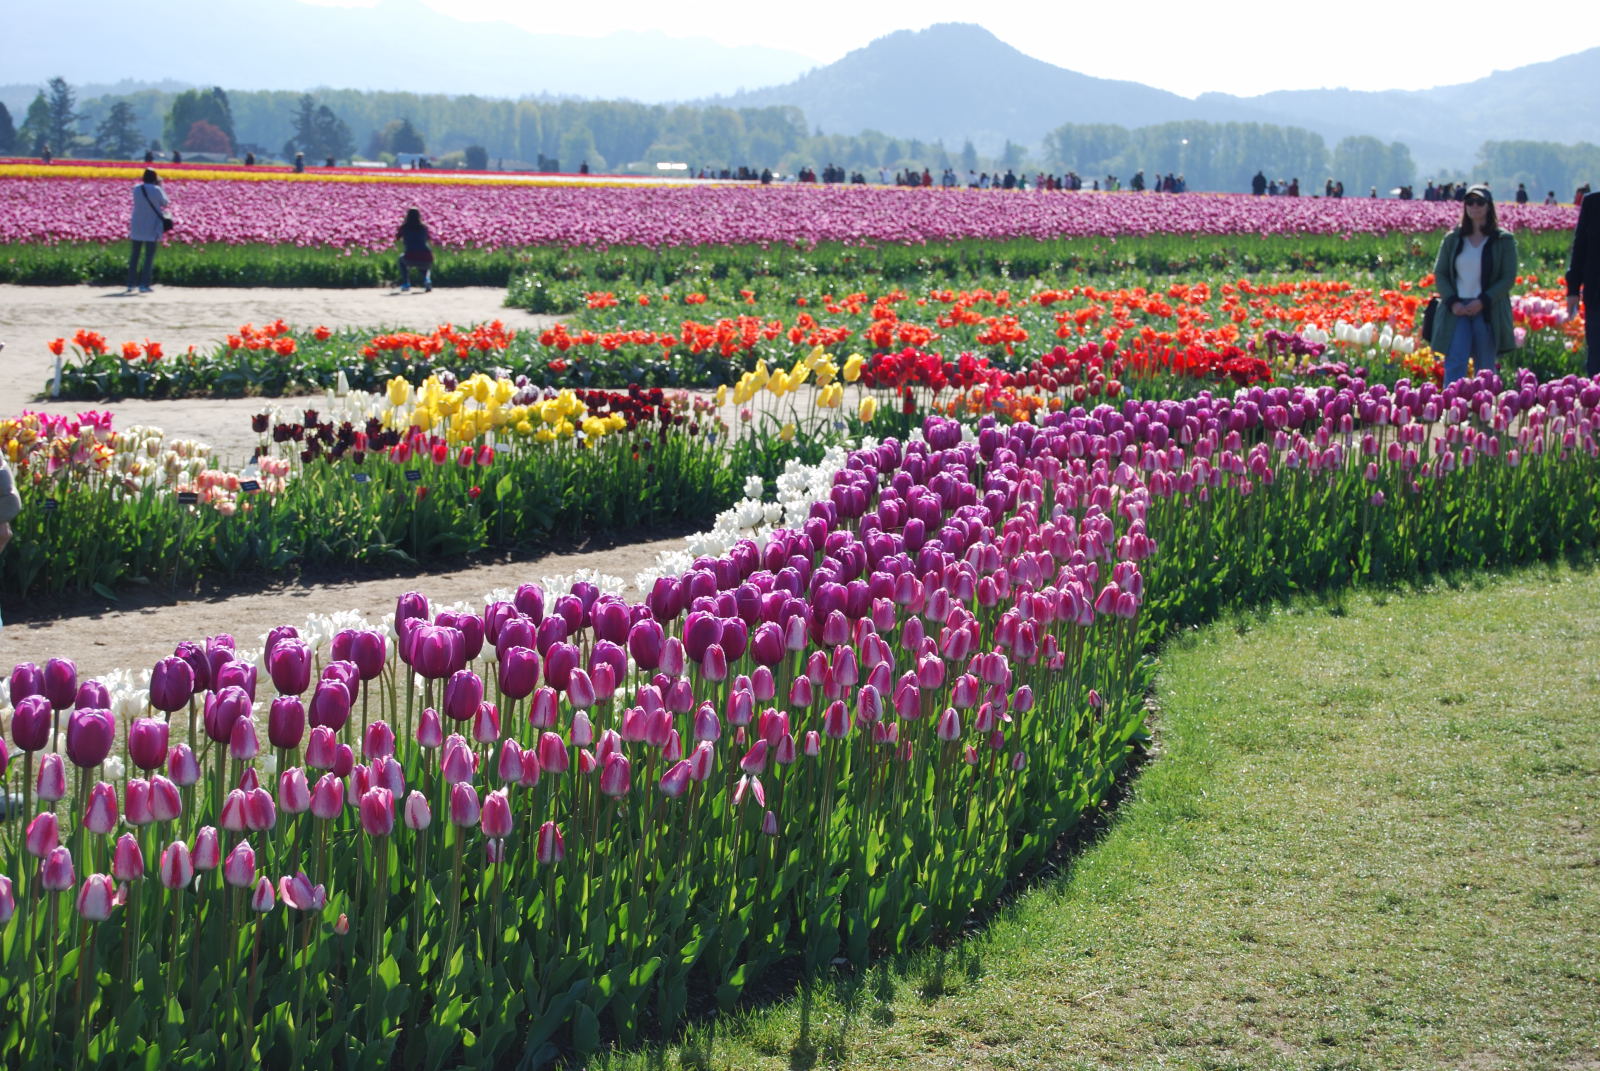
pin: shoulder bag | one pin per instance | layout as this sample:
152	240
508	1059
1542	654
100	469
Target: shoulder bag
167	222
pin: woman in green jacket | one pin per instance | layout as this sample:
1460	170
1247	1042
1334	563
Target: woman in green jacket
1476	269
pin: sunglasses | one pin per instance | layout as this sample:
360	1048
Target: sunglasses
1475	202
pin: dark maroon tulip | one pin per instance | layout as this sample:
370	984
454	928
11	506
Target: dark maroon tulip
519	672
529	600
286	721
92	694
330	705
570	609
462	694
236	674
147	743
666	599
700	631
552	629
559	662
471	628
89	737
224	708
611	620
60	682
30	724
412	606
766	645
289	666
609	653
195	654
347	674
171	684
645	642
369	650
437	651
26	679
277	635
735	638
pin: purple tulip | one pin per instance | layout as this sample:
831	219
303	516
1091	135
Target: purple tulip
330	706
60	679
172	684
519	672
223	709
26	680
286	722
289	666
182	766
30	723
462	694
92	694
89	737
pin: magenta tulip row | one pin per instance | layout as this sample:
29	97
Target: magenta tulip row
363	215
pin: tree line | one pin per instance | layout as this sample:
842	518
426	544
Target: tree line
545	134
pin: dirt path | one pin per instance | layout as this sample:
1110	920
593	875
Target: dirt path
179	317
140	627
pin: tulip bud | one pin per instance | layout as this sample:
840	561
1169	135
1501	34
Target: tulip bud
43	834
379	741
260	813
813	744
176	870
509	768
769	824
264	896
376	808
51	784
243	744
127	860
60	682
519	672
97	897
100	815
166	802
486	723
464	807
496	816
55	870
239	869
320	748
8	900
289	666
330	706
418	815
182	766
616	775
26	680
676	780
553	757
430	730
327	797
136	802
552	847
949	727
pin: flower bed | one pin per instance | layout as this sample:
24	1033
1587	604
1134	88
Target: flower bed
569	811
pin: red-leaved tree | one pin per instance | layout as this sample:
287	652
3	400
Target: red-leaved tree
205	137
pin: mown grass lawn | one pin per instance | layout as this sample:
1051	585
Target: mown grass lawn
1370	839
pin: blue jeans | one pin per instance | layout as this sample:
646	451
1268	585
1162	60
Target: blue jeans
426	271
143	278
1471	338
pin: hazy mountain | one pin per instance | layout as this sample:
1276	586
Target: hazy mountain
953	81
399	44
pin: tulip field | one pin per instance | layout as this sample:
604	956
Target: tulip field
961	487
562	818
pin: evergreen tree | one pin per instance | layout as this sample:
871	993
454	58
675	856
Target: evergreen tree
35	133
63	117
200	105
333	138
118	134
8	132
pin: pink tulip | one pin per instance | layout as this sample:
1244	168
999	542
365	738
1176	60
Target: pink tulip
97	897
239	869
553	757
56	873
376	808
232	816
260	813
706	726
486	723
813	744
749	785
182	766
755	760
387	773
529	776
580	690
51	783
176	870
616	775
43	834
769	824
127	860
836	720
100	815
430	731
496	816
264	896
378	742
243	744
1019	761
418	815
207	849
949	727
222	709
298	892
457	763
702	760
582	729
294	792
801	693
320	748
464	807
8	900
136	802
327	797
509	768
552	848
494	850
166	802
675	782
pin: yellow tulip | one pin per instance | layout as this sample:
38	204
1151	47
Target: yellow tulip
545	435
852	367
524	428
722	395
786	433
868	410
399	391
504	391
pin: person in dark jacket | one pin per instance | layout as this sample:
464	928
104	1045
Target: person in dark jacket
413	233
1474	273
1583	279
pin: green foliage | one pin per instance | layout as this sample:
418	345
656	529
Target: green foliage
209	106
118	136
8	131
1210	156
1541	165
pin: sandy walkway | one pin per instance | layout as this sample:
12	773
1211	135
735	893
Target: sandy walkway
143	626
178	317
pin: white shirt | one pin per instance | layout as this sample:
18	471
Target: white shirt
1469	269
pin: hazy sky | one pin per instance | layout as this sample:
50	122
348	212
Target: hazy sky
1187	47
